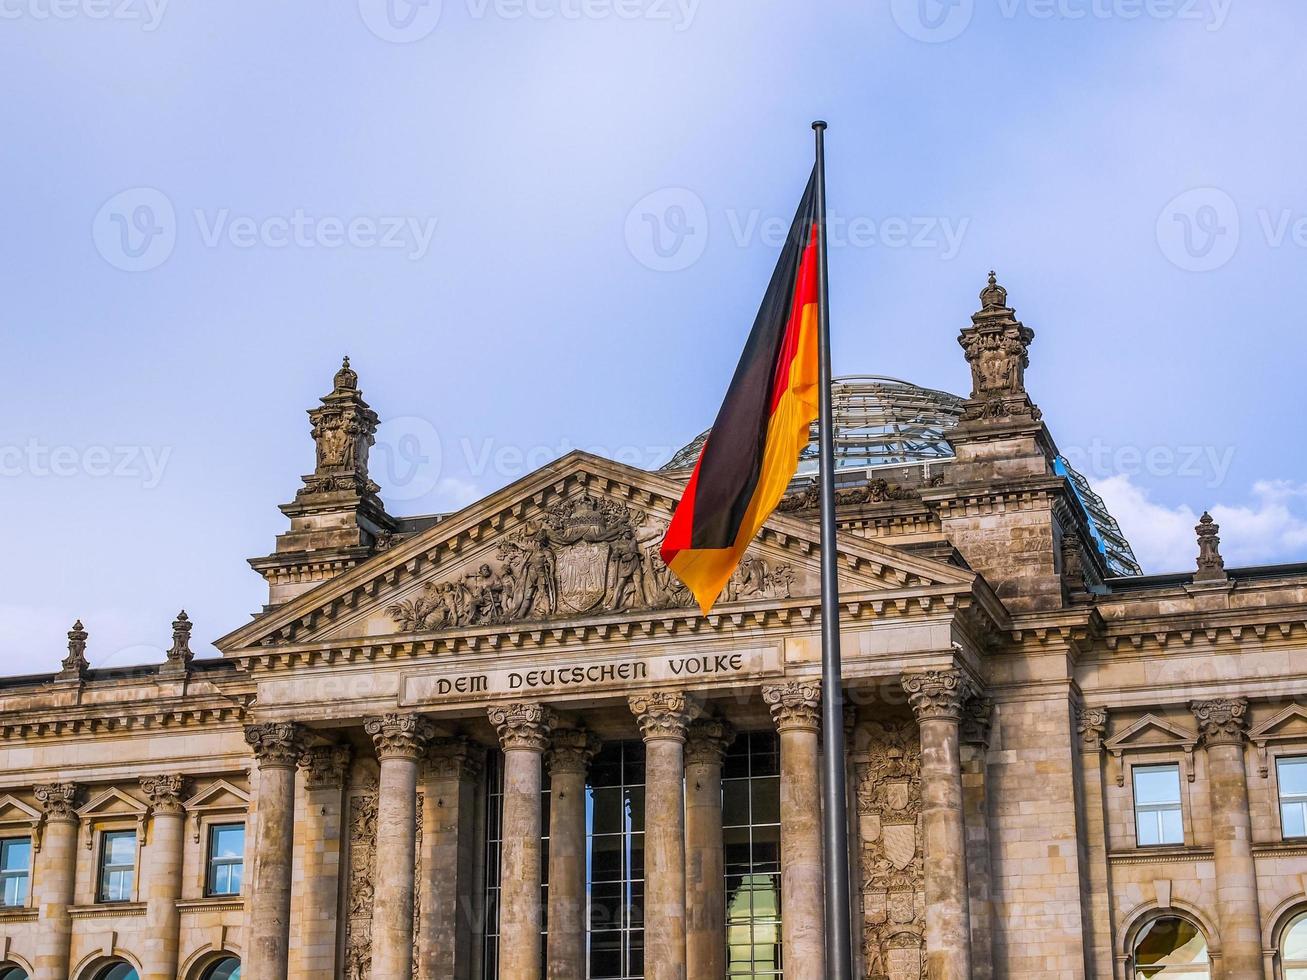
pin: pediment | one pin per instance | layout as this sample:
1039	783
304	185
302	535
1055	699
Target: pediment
1289	723
577	539
112	802
220	795
14	810
1151	731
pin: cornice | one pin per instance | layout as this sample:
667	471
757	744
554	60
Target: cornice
1160	855
120	718
1284	627
111	910
211	905
952	501
1062	627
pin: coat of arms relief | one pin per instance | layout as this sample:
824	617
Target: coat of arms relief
892	851
585	555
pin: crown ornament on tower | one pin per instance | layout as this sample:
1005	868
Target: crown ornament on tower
344	428
179	654
1211	566
75	665
997	347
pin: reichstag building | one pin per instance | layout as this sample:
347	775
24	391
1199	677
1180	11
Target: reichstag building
503	743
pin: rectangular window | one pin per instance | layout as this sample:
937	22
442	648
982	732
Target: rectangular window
1157	805
751	832
117	865
15	864
226	859
1292	774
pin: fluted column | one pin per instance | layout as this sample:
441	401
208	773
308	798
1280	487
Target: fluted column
664	717
325	769
523	735
161	881
569	756
705	871
277	747
400	741
448	859
55	875
937	697
1223	723
796	710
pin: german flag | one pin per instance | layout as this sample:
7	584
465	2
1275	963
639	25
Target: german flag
753	449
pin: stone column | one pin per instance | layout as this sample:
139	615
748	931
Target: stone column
1091	729
161	881
523	735
277	748
1222	723
325	769
400	741
705	871
664	717
974	735
796	710
937	697
449	859
569	756
54	878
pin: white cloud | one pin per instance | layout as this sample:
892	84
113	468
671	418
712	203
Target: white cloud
1271	528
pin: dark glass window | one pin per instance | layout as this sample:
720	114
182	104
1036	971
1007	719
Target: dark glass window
226	859
225	969
12	973
751	831
118	971
15	865
117	869
615	862
1171	948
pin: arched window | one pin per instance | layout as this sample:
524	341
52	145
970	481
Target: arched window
1173	949
118	971
8	972
225	969
1293	949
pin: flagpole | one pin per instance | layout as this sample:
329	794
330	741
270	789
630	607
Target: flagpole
839	962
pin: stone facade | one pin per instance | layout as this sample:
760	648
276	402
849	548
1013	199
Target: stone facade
1011	705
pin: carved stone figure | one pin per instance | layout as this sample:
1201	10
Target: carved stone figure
1211	566
344	428
997	348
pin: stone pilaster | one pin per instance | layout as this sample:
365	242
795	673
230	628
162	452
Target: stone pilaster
937	697
796	710
524	736
448	859
664	718
400	742
54	879
1091	729
705	882
161	881
277	748
325	769
569	756
1223	725
977	715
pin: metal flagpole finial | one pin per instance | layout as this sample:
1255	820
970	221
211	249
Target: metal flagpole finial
819	124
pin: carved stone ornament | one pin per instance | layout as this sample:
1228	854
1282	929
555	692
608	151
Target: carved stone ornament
58	800
75	665
455	758
523	726
795	705
276	744
937	693
1211	566
977	714
326	766
1091	725
344	429
707	741
1221	720
997	348
179	654
164	792
875	491
663	714
1073	562
571	749
397	736
586	555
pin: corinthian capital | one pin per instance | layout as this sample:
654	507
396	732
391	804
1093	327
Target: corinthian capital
938	693
398	736
1221	719
795	705
165	792
58	800
662	714
277	745
523	726
708	740
1091	724
571	750
325	766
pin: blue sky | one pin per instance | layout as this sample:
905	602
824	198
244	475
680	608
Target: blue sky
206	205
